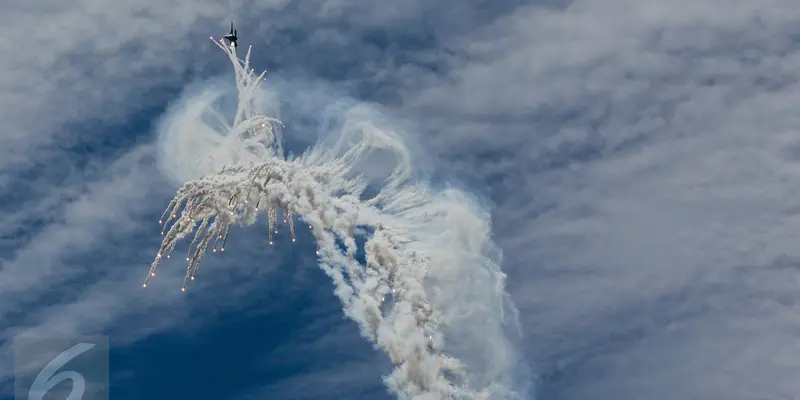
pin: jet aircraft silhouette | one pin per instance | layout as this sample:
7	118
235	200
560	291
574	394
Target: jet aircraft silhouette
231	36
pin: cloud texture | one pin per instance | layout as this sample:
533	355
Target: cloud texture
641	155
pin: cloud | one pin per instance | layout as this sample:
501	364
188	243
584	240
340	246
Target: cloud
645	168
642	155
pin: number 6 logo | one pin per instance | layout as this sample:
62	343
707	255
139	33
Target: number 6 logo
46	380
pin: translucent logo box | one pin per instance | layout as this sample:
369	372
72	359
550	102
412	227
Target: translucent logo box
61	368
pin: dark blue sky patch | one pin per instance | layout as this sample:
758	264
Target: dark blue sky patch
226	351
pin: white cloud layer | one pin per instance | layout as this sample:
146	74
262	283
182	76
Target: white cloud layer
642	156
644	160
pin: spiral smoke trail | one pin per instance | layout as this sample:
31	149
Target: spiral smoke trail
430	293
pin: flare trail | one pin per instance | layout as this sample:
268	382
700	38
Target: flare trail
430	293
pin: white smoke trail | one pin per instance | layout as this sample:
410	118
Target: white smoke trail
430	294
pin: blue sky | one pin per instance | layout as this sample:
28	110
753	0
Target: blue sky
641	158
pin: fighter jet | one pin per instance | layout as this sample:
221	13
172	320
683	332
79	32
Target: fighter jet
231	36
